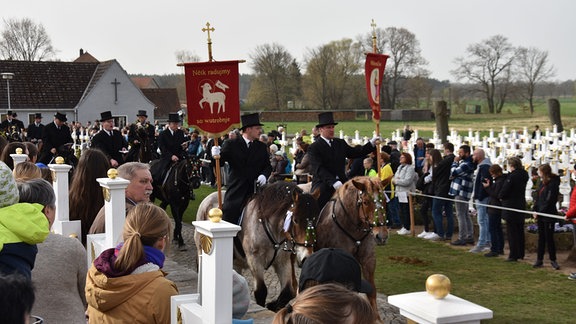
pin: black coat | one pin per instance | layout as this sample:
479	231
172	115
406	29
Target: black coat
171	144
328	164
34	133
52	137
493	191
441	176
111	145
512	194
547	198
246	164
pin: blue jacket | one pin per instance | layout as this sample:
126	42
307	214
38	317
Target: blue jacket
483	173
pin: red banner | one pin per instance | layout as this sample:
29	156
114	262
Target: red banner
212	92
374	71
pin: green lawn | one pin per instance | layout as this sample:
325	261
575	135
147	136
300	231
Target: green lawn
514	291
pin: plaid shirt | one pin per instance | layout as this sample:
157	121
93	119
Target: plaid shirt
462	174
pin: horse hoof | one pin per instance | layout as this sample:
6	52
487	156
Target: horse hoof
182	247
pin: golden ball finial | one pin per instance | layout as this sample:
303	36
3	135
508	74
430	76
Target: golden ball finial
73	235
112	173
438	285
215	215
18	150
59	160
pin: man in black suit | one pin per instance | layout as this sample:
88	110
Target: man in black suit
12	127
54	136
34	131
109	141
328	158
141	139
170	143
249	166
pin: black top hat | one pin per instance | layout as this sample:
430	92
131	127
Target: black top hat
173	118
250	120
9	113
38	115
60	117
326	118
334	265
107	115
141	113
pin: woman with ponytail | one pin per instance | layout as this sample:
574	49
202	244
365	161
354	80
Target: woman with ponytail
126	284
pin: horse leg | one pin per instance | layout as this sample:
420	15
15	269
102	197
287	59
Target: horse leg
177	215
284	268
257	270
368	269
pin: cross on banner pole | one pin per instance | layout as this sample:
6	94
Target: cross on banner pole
209	29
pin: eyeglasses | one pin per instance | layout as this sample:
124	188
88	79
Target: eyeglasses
36	319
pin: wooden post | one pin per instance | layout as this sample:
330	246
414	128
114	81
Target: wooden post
554	114
442	115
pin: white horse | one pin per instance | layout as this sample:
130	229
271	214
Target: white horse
212	97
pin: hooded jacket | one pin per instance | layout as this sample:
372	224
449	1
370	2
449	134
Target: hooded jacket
142	296
22	226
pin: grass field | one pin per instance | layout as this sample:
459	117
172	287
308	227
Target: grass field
512	116
514	291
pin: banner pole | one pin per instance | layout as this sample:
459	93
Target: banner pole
218	176
375	50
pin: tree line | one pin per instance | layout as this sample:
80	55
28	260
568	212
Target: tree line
331	76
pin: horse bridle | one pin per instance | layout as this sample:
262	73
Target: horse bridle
289	243
367	230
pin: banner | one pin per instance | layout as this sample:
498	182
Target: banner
374	71
213	96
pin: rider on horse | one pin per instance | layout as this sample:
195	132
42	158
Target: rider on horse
54	138
249	165
170	143
141	139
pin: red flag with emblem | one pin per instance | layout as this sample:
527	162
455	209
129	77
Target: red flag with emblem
213	96
374	71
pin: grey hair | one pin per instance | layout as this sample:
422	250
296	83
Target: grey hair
37	191
127	170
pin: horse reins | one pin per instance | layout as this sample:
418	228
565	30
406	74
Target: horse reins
272	240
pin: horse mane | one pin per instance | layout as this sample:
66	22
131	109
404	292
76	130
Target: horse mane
275	198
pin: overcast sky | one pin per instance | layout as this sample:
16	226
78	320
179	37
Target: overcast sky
144	35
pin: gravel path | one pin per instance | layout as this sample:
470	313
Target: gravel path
181	268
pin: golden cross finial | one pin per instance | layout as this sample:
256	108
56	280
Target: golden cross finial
374	45
208	29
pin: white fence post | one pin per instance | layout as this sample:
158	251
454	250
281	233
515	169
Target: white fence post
115	211
216	281
62	223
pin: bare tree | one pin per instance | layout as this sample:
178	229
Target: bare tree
276	79
488	64
533	67
25	40
329	71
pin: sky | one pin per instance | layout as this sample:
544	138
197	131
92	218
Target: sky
143	36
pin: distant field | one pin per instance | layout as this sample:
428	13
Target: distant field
512	116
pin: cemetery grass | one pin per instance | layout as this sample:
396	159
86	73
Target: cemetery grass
513	117
514	291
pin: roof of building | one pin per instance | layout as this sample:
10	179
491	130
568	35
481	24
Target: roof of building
145	82
165	99
47	85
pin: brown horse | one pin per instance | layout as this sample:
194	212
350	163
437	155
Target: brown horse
347	221
277	230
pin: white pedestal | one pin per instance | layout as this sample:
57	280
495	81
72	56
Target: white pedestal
62	223
18	158
422	307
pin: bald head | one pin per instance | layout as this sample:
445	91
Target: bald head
478	155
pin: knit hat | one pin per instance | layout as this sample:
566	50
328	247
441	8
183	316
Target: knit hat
8	190
240	295
331	265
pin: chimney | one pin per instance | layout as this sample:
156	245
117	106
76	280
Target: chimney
81	52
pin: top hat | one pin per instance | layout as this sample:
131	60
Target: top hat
60	117
38	115
250	120
326	118
107	115
333	265
9	113
173	118
141	113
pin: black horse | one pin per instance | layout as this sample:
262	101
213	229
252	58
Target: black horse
175	187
